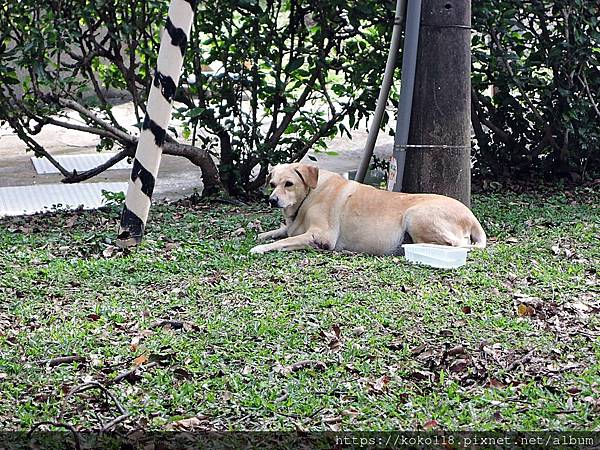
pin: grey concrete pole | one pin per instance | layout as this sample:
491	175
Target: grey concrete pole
441	106
409	63
384	93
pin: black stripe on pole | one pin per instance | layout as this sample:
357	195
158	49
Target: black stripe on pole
155	129
178	37
166	84
147	179
129	221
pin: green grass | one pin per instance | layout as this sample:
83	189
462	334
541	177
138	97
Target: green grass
62	292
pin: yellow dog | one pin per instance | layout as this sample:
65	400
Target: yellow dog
324	210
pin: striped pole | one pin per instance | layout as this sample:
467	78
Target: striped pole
154	128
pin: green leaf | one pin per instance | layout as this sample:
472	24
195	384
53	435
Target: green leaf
294	64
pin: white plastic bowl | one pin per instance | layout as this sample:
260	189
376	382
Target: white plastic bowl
440	256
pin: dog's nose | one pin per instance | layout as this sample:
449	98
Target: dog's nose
273	201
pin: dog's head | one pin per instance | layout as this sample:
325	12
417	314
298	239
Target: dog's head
291	183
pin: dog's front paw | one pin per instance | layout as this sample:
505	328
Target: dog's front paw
263	236
259	249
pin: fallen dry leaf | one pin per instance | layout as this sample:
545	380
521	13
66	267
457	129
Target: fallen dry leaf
422	375
525	310
456	350
459	365
334	338
378	385
580	306
300	365
170	246
142	359
497	416
109	251
193	423
358	331
239	232
256	226
135	342
351	412
334	423
300	428
492	382
430	424
396	345
70	221
415	351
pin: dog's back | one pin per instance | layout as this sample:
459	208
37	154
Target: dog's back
375	221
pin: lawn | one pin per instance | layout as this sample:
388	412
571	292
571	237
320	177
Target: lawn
190	331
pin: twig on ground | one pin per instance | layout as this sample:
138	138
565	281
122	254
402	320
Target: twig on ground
308	363
59	425
115	421
228	201
86	387
282	397
62	360
132	371
174	324
521	361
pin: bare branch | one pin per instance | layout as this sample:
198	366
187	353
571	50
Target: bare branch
37	149
521	89
585	84
92	130
93	117
504	137
287	119
201	158
76	177
115	421
322	132
129	372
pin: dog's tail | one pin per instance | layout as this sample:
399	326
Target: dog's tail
478	235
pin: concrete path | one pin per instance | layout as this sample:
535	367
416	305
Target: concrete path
177	177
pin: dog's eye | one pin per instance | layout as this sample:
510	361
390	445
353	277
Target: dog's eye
288	184
273	184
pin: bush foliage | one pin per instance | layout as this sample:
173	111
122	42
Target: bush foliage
541	61
293	73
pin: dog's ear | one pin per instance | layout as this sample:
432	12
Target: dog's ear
308	174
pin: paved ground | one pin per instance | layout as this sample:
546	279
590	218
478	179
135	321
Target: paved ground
178	177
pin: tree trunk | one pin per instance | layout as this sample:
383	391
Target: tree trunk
201	158
442	103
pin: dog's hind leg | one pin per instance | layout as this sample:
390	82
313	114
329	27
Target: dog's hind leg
406	239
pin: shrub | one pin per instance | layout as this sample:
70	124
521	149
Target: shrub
288	75
293	73
541	62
